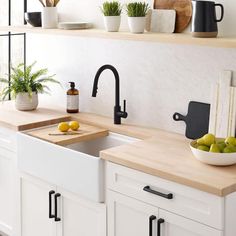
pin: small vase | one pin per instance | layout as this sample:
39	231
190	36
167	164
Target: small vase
112	23
24	102
137	24
49	18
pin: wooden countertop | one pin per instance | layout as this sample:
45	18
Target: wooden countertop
20	120
160	153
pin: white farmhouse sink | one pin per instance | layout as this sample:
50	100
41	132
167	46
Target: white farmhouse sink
76	167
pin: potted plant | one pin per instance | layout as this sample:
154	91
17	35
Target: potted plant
25	86
137	12
49	14
112	18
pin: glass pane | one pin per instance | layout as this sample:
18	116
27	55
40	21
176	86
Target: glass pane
17	42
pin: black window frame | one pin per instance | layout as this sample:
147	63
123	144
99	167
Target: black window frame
9	35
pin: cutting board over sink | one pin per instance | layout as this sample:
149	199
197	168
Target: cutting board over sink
52	135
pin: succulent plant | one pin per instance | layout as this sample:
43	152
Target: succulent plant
113	8
137	9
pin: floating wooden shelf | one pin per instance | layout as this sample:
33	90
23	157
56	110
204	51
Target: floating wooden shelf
186	39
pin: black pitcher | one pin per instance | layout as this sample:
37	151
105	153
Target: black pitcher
204	21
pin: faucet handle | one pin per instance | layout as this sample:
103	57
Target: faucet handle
125	114
124	105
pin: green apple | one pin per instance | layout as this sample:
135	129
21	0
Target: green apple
209	139
214	148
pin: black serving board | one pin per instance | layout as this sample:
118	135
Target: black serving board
197	119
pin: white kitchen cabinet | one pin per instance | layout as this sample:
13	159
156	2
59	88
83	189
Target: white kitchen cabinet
35	208
175	225
72	215
80	217
133	197
127	216
7	191
8	183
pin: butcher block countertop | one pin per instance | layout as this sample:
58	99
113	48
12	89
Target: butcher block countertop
19	120
159	153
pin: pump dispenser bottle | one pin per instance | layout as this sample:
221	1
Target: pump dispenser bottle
72	99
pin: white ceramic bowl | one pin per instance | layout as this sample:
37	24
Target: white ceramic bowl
211	158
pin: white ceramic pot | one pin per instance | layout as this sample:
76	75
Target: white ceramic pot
49	18
112	23
137	24
24	102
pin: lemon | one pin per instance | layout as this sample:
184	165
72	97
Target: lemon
63	127
74	125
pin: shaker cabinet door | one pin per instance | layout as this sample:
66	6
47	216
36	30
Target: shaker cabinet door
127	216
35	208
175	225
79	216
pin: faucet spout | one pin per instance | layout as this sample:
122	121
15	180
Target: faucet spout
118	114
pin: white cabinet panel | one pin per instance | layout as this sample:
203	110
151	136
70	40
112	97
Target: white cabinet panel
80	217
35	208
7	191
127	216
175	225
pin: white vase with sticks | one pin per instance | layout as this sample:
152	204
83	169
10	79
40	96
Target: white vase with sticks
49	14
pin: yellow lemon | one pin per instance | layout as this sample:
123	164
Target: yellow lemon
74	125
63	127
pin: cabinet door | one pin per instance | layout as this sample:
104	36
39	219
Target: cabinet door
175	225
80	217
7	191
127	216
35	208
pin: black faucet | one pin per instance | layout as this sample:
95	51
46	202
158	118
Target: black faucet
118	114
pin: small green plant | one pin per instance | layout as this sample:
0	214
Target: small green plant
49	3
137	9
111	8
23	80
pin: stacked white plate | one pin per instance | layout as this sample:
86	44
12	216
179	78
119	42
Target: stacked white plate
74	25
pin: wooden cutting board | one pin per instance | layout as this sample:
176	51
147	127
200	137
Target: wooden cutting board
51	134
183	10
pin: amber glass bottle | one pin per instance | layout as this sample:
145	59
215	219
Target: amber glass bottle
72	99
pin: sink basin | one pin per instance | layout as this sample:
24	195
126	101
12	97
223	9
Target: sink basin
93	147
76	167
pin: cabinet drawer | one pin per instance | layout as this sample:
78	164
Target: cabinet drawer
8	139
191	203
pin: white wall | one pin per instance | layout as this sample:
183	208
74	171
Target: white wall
156	79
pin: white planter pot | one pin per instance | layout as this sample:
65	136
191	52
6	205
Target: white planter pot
112	23
137	24
49	18
25	103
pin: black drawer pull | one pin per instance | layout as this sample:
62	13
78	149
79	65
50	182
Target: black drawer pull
148	189
57	195
159	222
151	219
50	204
